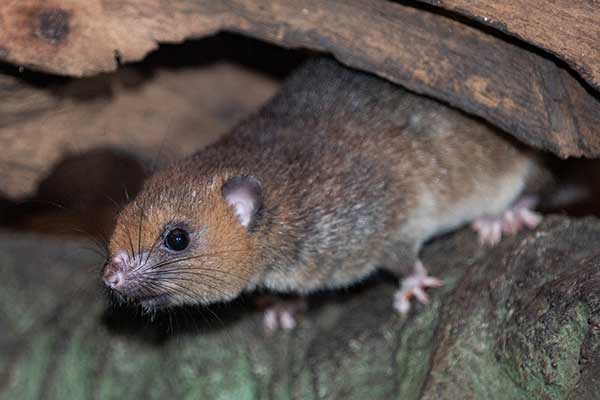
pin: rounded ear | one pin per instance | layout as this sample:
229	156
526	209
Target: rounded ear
244	195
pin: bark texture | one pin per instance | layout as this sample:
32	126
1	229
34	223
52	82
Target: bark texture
568	29
519	321
522	91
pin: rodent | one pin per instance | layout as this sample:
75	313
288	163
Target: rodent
339	174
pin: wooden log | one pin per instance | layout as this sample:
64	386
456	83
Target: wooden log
569	29
520	91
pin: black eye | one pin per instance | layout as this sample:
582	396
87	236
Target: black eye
177	239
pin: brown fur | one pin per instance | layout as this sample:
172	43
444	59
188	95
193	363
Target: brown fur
356	174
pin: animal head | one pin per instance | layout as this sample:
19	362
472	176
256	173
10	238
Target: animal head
185	240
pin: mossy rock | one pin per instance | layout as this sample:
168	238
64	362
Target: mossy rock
518	321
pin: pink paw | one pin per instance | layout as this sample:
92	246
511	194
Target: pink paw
283	315
414	286
491	228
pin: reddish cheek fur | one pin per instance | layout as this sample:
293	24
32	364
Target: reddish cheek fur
228	240
228	248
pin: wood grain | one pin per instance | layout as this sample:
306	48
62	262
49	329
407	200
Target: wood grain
569	29
519	91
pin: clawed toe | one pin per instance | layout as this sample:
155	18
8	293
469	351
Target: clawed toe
491	228
283	315
414	286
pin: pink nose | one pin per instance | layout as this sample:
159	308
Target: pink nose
113	278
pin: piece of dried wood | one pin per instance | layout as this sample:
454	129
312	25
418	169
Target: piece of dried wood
520	91
569	29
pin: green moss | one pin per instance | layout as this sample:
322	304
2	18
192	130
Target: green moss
129	371
352	349
75	374
569	341
28	375
227	377
550	367
470	365
414	352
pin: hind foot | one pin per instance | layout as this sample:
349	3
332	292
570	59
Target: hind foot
491	228
414	285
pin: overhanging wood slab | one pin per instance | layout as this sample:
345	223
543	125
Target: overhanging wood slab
522	92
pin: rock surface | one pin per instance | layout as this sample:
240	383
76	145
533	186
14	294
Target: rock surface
519	321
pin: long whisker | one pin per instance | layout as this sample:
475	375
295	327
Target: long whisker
162	287
92	235
142	290
130	242
184	292
151	250
173	280
115	297
170	275
167	285
126	193
171	328
213	314
142	207
156	241
44	202
113	201
96	241
196	271
100	242
178	289
95	251
172	261
158	237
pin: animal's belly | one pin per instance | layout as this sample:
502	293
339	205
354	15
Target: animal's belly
436	216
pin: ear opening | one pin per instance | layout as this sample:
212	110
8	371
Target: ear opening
244	196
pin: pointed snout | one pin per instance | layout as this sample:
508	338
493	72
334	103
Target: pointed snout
114	274
112	277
